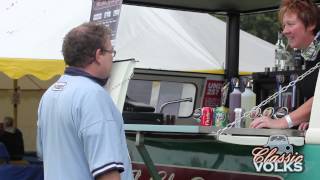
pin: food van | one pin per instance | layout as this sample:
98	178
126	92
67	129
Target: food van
179	148
189	151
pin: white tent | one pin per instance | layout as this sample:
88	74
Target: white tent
169	39
31	34
158	38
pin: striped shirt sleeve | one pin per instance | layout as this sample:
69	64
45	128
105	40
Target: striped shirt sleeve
113	166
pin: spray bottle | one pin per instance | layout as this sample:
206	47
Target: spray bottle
248	101
234	100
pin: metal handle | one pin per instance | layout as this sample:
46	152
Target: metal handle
175	101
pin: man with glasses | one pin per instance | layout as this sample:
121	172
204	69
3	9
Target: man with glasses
80	130
113	52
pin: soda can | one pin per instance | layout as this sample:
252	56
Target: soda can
221	117
206	118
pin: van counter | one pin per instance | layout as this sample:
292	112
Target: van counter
199	148
240	136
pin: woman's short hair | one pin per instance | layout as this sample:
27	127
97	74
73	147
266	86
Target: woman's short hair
306	10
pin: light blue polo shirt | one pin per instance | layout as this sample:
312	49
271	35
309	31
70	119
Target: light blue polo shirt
80	132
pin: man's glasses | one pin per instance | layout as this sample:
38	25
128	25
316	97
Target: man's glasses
112	51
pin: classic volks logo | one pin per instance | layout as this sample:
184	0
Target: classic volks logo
277	156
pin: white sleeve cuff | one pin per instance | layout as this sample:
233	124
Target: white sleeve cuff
107	168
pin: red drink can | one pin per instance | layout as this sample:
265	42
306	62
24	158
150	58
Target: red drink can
206	118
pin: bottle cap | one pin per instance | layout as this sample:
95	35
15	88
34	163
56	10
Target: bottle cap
274	69
287	68
266	69
235	82
249	83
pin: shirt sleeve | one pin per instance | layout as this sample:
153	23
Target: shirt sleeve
39	137
101	135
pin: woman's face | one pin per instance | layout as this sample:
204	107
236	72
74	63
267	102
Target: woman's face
298	35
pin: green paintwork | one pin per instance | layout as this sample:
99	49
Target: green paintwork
213	154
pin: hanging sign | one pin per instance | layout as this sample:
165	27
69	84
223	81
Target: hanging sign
107	12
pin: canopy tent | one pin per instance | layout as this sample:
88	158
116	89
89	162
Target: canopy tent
180	40
32	31
232	9
32	34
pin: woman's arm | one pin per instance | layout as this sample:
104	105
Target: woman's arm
302	114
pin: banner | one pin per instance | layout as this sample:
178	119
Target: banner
107	12
212	93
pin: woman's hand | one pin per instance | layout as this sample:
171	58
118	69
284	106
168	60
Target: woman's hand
267	122
303	126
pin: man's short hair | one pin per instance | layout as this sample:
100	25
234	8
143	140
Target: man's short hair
81	43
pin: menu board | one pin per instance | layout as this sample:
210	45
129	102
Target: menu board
107	12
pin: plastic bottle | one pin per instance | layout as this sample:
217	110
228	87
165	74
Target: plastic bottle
297	58
280	52
248	101
234	101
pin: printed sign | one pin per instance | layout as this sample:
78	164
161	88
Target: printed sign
107	12
212	95
277	156
170	172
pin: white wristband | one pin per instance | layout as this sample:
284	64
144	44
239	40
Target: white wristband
289	121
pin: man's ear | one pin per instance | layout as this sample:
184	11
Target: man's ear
98	55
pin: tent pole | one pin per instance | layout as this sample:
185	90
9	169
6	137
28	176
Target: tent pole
15	103
232	49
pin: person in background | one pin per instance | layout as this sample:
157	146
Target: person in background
301	24
1	128
12	138
80	130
